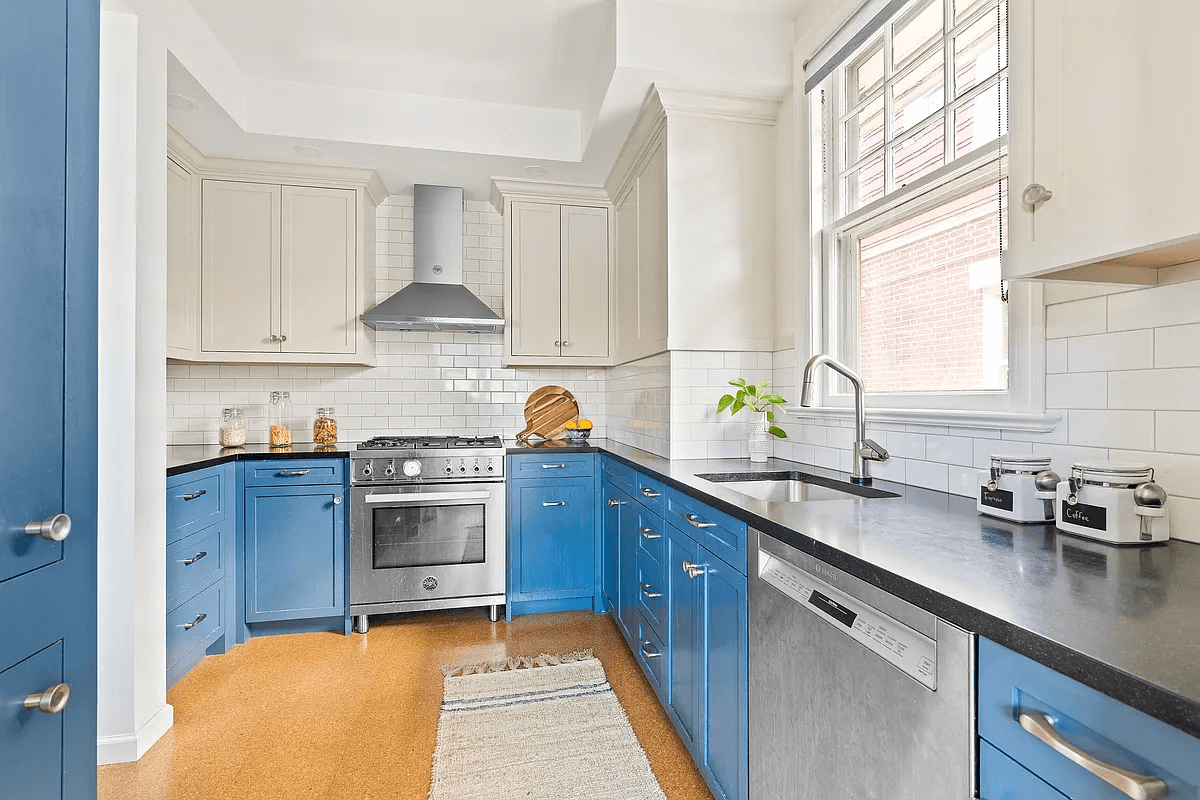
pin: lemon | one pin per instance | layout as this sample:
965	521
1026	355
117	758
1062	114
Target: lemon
571	425
585	424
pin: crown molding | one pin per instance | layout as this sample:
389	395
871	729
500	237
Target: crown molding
509	189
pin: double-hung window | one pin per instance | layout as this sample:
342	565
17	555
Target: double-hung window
908	126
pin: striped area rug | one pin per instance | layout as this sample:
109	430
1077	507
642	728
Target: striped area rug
545	727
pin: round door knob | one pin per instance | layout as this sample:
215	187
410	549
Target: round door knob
51	701
337	501
558	344
283	338
55	528
1035	193
566	343
274	338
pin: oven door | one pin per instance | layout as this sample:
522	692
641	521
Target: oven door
421	543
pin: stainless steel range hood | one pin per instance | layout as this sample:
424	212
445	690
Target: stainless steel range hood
436	300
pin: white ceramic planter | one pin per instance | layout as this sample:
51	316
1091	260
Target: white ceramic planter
759	442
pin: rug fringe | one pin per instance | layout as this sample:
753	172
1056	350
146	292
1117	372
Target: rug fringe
518	662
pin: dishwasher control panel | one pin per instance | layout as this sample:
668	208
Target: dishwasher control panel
908	650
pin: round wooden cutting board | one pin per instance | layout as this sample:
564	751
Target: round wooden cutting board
547	411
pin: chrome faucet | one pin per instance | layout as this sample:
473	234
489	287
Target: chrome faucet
865	450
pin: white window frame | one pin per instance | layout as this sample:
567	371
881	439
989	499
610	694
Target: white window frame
1022	406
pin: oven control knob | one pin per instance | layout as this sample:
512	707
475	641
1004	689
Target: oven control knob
366	470
462	467
412	468
449	468
477	466
389	470
491	467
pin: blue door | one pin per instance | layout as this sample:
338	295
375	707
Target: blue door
555	538
684	583
627	566
49	95
724	747
610	536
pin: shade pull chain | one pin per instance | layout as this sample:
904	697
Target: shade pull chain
1000	15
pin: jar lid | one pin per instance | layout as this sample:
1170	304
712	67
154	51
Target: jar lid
1119	472
1012	462
325	411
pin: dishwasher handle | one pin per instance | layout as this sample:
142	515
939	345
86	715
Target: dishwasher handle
1133	784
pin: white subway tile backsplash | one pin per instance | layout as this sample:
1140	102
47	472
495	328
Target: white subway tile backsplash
1131	430
1056	356
1111	351
1156	307
1077	390
928	475
1079	318
1157	389
1177	346
950	450
1177	432
905	445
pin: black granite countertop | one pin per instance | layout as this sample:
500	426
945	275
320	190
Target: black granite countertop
183	458
1123	620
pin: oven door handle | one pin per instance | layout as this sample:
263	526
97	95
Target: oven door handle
426	497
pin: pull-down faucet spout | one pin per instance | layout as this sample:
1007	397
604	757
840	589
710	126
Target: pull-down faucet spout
865	450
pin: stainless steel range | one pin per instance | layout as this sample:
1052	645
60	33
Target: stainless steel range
426	525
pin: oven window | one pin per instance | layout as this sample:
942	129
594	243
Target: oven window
428	536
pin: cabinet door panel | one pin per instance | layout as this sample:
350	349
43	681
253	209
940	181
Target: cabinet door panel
239	267
626	275
609	543
652	254
1001	778
683	644
556	554
295	553
31	741
181	294
724	751
628	566
536	281
318	311
585	282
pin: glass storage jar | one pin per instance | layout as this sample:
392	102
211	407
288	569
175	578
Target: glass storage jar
232	431
279	417
325	426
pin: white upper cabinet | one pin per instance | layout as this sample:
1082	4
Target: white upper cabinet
558	279
317	287
268	264
1105	109
240	267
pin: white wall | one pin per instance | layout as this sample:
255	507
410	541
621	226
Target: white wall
132	712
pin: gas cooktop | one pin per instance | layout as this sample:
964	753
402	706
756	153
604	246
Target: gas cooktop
426	443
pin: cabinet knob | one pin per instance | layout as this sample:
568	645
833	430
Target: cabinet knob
55	528
274	338
566	343
1035	193
693	570
337	501
283	338
558	344
51	701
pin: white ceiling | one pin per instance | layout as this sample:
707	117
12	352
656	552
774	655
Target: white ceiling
456	91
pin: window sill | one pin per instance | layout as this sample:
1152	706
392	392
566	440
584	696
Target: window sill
986	420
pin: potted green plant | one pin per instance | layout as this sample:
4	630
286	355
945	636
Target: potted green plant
755	397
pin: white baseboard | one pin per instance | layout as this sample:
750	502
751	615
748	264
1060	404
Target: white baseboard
130	747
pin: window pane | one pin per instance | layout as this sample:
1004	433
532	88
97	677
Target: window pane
981	120
931	317
964	8
977	52
864	185
919	154
864	131
864	76
915	32
918	94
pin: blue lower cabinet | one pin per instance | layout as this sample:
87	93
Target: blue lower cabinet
1001	778
552	544
610	537
30	741
627	546
723	754
684	652
295	553
1024	705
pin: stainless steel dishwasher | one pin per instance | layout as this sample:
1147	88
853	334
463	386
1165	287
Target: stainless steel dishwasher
855	694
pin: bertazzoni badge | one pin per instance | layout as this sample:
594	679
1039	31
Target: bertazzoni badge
1094	517
1000	498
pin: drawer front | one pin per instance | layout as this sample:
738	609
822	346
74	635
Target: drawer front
203	614
1001	778
650	533
295	472
650	493
549	465
721	534
652	592
618	473
1011	685
651	652
195	501
31	743
192	562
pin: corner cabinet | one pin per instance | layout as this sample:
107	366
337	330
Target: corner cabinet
641	271
1105	106
558	280
266	264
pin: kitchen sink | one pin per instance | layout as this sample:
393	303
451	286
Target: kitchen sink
793	487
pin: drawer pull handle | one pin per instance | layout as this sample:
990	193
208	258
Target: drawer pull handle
187	626
51	701
649	592
292	473
53	529
187	562
693	570
652	652
1135	785
648	533
691	518
651	493
195	494
554	466
551	505
612	503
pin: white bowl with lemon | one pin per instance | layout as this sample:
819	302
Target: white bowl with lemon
578	430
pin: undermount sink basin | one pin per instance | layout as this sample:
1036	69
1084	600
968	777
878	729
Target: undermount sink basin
793	487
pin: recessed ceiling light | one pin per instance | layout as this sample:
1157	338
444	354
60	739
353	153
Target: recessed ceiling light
308	151
182	103
534	171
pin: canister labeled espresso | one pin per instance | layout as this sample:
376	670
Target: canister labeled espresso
1008	489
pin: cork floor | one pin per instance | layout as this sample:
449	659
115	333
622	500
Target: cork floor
322	715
